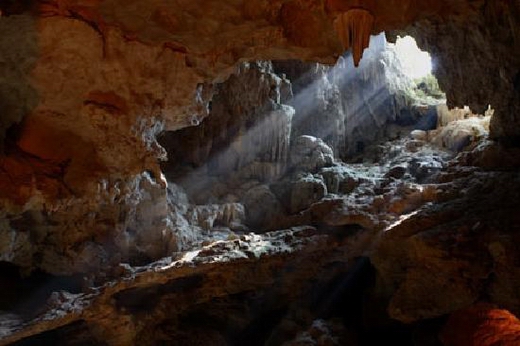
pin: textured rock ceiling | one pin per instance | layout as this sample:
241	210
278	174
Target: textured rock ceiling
107	72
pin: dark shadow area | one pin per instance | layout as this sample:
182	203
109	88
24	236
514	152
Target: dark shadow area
27	296
247	318
74	334
259	330
510	141
18	52
137	300
339	232
344	294
516	82
14	7
348	297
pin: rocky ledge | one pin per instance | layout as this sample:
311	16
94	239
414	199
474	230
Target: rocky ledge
132	306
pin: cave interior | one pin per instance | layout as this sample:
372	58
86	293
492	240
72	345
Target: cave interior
255	172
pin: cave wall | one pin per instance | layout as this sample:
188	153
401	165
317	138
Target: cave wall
348	108
248	123
88	84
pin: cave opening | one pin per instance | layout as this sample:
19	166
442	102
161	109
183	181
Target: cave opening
415	62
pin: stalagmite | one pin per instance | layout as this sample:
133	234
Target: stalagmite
354	28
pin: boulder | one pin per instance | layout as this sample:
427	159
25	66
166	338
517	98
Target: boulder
396	172
421	168
309	154
459	134
230	215
305	191
262	208
338	179
419	135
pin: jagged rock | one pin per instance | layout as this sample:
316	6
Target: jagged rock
424	167
102	124
396	172
194	224
177	198
231	215
247	270
148	229
351	108
248	124
318	103
309	154
60	244
321	333
406	198
262	208
305	190
338	179
419	135
186	233
414	145
491	156
465	250
459	134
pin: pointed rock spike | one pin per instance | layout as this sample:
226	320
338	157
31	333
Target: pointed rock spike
354	28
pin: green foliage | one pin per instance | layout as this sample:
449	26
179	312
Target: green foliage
426	90
428	86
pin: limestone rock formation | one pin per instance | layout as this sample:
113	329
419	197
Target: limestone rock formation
173	291
354	28
468	251
317	101
339	179
93	103
69	237
309	154
248	123
353	108
87	86
305	191
420	231
262	207
459	134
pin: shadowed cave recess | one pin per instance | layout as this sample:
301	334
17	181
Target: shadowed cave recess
259	172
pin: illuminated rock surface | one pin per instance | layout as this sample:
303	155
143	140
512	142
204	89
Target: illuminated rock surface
88	86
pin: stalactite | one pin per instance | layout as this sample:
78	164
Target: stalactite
354	28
